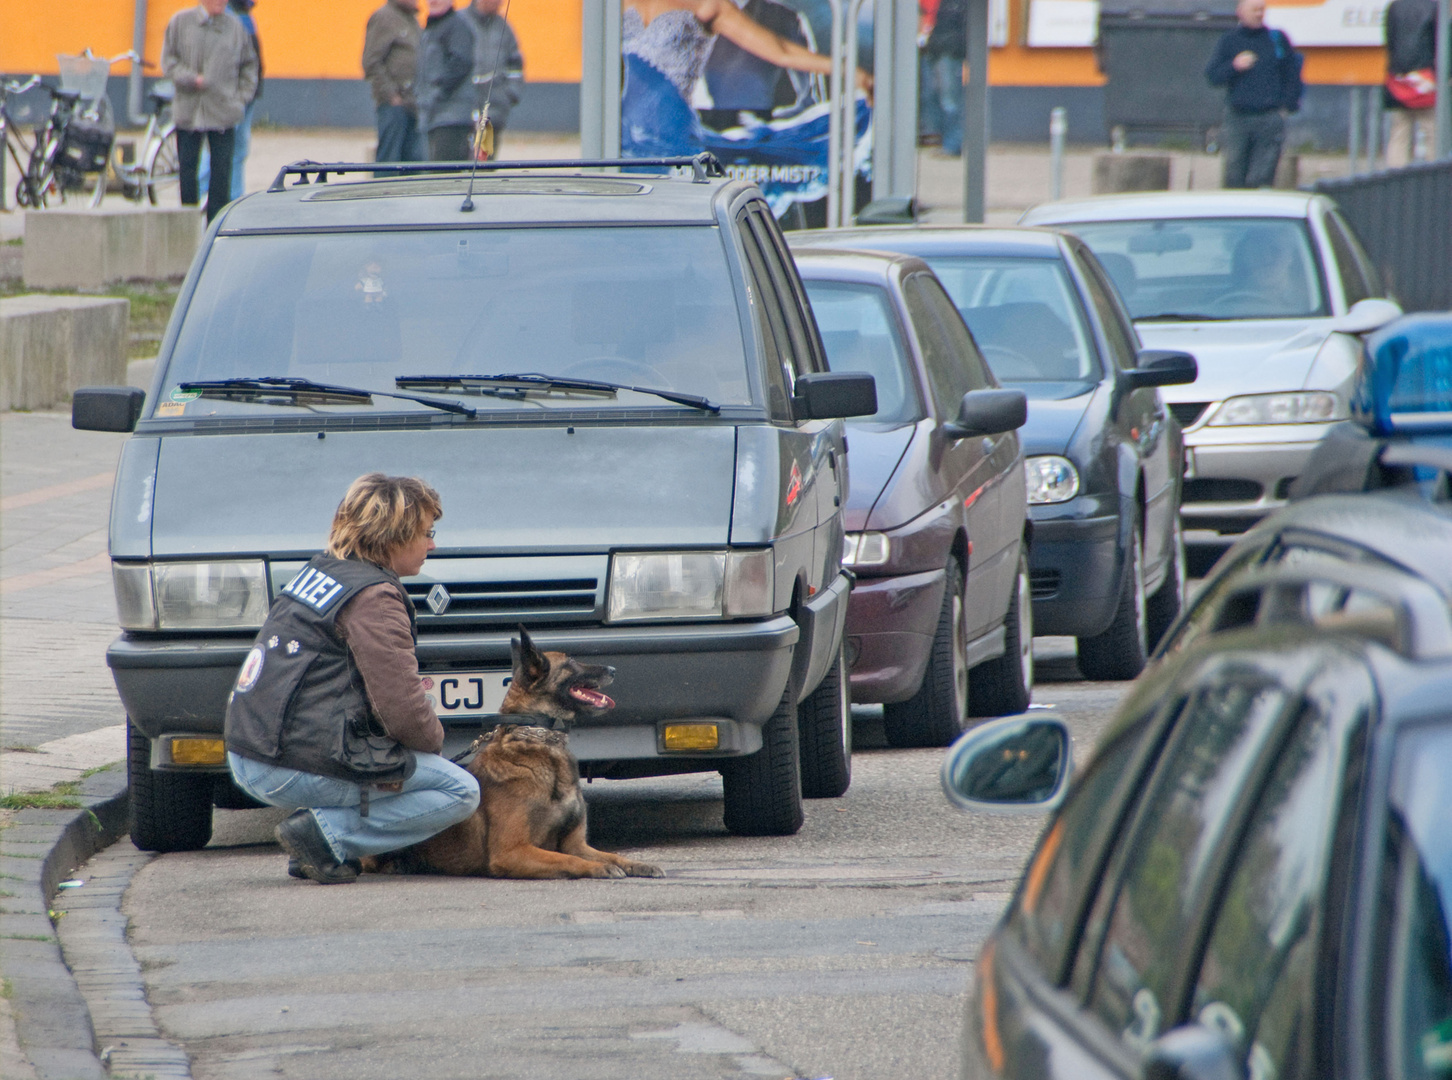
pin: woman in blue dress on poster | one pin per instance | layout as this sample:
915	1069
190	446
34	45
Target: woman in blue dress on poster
665	44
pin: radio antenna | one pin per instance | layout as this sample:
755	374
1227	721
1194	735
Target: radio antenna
483	124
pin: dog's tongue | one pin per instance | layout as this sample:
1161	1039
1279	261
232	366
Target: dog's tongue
593	698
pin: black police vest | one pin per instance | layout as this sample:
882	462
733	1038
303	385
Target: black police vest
299	701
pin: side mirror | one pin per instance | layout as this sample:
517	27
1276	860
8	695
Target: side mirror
988	412
1163	367
106	408
1192	1052
1367	315
1018	763
827	395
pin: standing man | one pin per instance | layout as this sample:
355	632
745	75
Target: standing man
390	61
1411	78
446	100
1262	74
208	56
498	63
943	58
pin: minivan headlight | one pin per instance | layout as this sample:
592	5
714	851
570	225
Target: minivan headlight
191	595
1301	407
690	584
1051	479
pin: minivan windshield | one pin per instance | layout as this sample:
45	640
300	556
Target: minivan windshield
861	334
642	306
1193	269
1025	316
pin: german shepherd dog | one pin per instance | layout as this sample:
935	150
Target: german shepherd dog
531	817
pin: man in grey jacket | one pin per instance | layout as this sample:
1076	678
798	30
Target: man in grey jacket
390	60
498	63
446	99
208	55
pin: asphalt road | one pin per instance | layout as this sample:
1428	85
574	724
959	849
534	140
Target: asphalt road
841	952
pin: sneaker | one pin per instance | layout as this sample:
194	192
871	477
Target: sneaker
301	838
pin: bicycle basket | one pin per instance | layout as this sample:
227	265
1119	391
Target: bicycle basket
83	75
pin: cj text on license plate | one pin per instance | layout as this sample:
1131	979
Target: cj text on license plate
463	693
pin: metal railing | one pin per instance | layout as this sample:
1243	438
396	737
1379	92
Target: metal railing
1404	219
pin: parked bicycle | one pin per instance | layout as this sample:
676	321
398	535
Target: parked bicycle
156	166
13	147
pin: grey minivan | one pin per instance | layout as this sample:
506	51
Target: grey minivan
616	385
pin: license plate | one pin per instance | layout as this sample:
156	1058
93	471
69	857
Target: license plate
465	693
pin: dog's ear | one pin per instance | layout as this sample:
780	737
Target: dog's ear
530	665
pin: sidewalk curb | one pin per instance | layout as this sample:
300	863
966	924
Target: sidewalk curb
37	852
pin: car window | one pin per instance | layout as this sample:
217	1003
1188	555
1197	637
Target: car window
1348	266
774	337
815	354
1210	268
953	363
861	333
1221	733
1069	858
1024	315
1257	979
799	352
650	307
1121	340
1414	946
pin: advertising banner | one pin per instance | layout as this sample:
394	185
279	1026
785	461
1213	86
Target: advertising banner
750	87
1074	23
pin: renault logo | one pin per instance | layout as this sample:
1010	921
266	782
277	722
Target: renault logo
438	599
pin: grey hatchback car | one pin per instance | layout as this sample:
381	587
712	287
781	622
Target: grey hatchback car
616	385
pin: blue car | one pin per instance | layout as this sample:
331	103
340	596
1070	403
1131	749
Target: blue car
1102	453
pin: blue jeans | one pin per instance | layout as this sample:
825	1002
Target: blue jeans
945	75
398	136
437	795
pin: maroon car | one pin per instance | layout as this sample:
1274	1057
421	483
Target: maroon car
940	622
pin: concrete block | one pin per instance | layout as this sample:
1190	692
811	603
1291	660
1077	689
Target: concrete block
50	345
1130	172
81	248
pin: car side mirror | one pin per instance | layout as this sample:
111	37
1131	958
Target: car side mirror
1163	367
1017	763
106	408
827	395
988	412
1192	1052
1367	315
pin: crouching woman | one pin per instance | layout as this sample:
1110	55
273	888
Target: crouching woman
328	715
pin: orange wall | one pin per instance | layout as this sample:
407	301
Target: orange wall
323	39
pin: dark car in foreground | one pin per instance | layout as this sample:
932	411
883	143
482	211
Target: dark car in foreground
1102	454
617	388
939	625
1252	876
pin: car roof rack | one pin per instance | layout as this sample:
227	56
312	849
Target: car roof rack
703	167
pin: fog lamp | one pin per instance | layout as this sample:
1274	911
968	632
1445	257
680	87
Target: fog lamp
691	737
198	751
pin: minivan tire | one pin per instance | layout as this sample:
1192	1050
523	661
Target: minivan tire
1121	650
1003	686
170	811
934	716
824	730
763	792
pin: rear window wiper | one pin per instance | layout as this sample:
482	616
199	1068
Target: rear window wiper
307	392
520	384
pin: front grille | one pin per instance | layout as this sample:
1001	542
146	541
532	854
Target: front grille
1044	584
1213	490
1188	412
508	601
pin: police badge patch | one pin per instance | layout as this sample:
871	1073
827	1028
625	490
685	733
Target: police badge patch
251	669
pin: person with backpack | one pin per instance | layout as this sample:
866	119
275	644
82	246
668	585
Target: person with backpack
1261	74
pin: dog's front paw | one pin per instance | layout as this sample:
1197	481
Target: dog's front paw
643	869
611	870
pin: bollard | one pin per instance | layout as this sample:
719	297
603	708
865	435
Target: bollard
1058	129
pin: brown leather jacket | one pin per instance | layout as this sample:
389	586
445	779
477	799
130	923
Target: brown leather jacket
375	626
390	53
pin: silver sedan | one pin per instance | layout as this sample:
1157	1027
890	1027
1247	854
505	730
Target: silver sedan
1269	291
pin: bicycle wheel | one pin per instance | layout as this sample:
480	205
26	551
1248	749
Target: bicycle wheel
163	165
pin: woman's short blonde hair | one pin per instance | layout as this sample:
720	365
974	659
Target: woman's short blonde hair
379	515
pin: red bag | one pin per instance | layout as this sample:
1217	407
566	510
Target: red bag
1414	90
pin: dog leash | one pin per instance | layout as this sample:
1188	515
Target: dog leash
463	757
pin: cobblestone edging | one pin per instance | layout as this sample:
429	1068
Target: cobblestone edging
38	850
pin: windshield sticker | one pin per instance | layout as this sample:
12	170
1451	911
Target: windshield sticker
171	408
178	394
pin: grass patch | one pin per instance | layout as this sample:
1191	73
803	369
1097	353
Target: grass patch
21	749
4	894
6	990
99	769
28	937
151	304
40	800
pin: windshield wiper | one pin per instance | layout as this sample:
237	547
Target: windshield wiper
257	389
523	383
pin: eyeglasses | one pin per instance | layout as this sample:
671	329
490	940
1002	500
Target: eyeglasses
429	534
